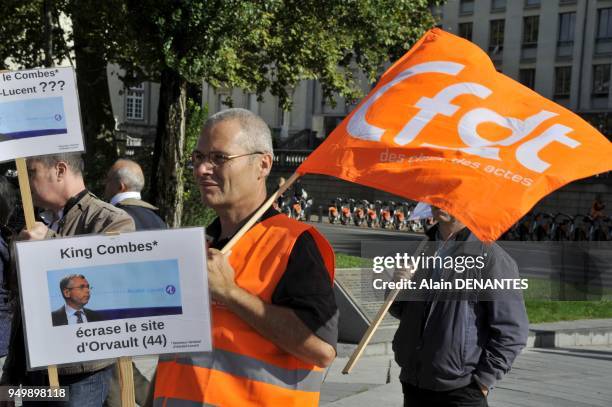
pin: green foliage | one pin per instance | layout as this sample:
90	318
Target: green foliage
542	306
347	261
552	311
270	45
23	35
44	32
194	211
254	45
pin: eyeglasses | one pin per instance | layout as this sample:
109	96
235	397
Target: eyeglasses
216	158
80	287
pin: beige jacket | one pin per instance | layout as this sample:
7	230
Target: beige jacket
91	215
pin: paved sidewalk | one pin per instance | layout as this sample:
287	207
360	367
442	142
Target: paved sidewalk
578	376
561	377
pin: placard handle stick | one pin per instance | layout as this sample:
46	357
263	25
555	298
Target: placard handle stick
126	372
126	377
28	212
26	194
245	228
377	321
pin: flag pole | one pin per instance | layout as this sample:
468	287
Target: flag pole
28	212
245	228
376	322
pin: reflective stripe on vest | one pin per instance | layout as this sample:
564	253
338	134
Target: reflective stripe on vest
170	402
253	369
246	369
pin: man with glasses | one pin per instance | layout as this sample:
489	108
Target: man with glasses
76	292
58	186
274	316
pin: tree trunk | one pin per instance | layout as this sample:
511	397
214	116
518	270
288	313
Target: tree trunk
48	19
94	99
167	170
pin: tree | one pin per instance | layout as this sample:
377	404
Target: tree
256	46
27	40
33	37
91	21
253	45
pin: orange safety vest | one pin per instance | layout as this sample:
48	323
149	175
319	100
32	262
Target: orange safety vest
244	368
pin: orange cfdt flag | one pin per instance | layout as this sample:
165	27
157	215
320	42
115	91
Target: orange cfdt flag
444	127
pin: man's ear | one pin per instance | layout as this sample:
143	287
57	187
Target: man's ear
265	165
122	187
61	169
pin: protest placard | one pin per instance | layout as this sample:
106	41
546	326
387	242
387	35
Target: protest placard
39	113
99	297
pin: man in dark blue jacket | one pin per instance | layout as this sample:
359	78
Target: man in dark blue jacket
453	349
124	183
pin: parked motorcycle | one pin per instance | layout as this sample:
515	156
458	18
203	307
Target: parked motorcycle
359	213
332	211
562	227
300	208
345	212
372	216
386	219
600	229
581	228
399	217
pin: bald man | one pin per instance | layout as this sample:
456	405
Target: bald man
124	182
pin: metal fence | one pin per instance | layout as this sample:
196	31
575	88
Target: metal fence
290	158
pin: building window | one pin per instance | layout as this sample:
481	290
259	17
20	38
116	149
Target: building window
531	26
563	79
532	3
466	7
465	30
496	35
498	5
604	27
567	23
134	103
601	79
527	77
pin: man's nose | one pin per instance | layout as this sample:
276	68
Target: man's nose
205	167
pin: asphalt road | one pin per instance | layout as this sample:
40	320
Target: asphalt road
348	239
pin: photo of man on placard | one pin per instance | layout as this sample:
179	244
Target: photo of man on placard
76	292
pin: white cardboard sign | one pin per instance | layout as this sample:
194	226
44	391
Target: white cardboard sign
138	293
39	113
